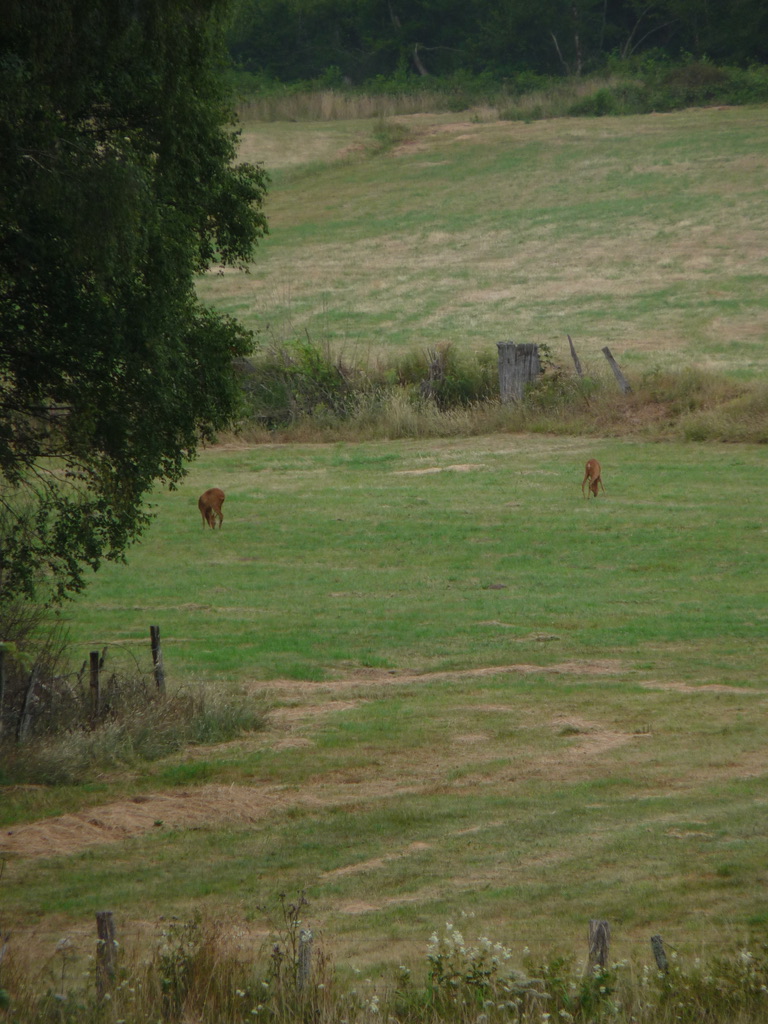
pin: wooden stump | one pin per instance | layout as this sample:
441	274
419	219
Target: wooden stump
518	366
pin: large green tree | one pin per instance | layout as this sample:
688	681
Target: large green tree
118	184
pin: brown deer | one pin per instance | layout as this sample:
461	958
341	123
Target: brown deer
210	504
593	477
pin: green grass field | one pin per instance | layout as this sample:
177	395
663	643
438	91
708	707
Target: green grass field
646	234
488	694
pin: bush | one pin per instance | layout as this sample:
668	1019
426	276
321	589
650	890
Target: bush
631	85
298	379
141	726
687	391
51	734
304	394
479	975
38	696
449	379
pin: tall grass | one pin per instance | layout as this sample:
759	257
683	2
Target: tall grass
144	727
304	392
196	972
639	86
67	737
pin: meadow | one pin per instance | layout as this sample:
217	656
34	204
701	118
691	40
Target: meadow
643	233
491	700
489	695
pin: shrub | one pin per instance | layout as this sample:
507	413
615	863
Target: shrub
687	390
559	391
448	378
51	734
141	726
306	394
626	85
37	695
297	379
204	970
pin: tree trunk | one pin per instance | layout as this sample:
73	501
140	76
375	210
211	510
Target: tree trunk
417	63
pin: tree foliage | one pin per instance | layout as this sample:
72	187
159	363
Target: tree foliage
291	40
117	185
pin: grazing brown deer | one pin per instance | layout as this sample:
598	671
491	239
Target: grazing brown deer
210	504
592	476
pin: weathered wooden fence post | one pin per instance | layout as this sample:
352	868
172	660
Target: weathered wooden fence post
95	685
2	685
622	382
106	952
518	366
26	711
599	941
157	658
304	966
574	357
658	952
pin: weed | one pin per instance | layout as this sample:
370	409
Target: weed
149	729
625	86
387	134
193	975
477	976
302	392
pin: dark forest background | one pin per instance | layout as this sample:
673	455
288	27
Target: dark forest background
357	41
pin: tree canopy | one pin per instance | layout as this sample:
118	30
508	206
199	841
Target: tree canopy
291	40
118	183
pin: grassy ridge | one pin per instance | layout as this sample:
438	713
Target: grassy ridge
643	233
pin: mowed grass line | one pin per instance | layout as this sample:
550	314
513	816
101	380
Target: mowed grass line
532	803
489	695
642	233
